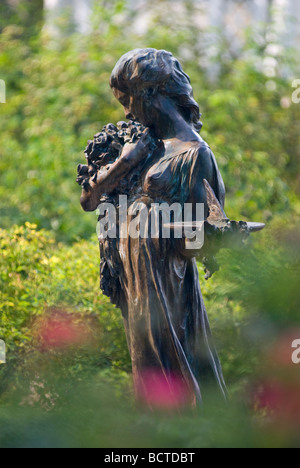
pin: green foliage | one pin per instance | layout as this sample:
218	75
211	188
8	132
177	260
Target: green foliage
58	97
41	387
35	276
257	142
25	13
103	421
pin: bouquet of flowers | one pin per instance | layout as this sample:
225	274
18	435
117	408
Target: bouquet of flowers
106	148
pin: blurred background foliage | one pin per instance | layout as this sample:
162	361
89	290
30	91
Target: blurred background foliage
58	97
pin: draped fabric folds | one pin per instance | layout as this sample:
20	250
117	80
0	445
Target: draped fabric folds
156	285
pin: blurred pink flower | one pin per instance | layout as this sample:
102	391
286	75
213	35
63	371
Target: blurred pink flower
163	390
280	399
278	391
60	330
269	395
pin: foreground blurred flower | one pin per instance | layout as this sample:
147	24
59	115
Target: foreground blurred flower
277	392
282	399
163	391
59	329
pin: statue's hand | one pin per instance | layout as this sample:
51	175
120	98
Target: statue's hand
134	153
231	237
235	235
108	179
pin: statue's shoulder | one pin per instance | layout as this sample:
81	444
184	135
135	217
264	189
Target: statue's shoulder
207	164
203	148
206	167
203	154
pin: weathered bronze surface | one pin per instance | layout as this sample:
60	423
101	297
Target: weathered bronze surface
159	156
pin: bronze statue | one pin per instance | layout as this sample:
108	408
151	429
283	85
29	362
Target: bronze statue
159	157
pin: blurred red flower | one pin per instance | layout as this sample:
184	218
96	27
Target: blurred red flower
163	390
278	391
60	329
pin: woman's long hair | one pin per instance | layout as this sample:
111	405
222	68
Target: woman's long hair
158	71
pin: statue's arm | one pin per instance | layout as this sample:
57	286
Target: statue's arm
108	181
216	236
206	168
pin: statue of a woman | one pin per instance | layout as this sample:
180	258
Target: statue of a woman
154	280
